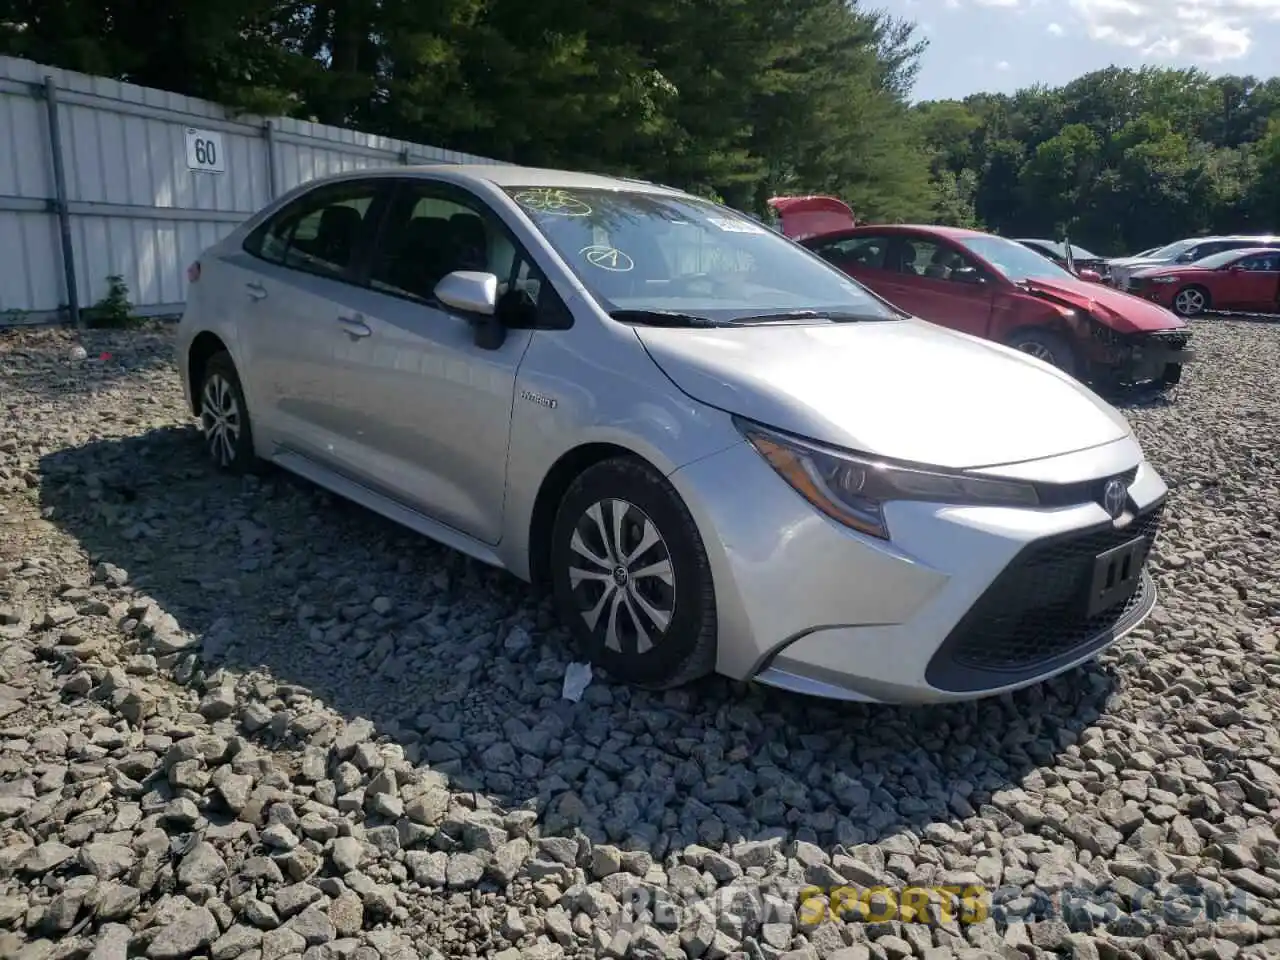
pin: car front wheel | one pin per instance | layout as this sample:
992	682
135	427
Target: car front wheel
224	416
1047	346
631	578
1191	301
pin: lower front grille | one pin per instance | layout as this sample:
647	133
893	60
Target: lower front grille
1174	339
1035	614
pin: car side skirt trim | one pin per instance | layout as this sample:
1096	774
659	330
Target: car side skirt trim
392	509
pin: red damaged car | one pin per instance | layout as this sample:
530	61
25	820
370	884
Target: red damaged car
996	288
1239	280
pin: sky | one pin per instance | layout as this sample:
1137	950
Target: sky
1003	45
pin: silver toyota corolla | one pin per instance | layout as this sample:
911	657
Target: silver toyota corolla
717	451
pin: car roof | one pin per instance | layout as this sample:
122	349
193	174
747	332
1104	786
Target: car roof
1239	253
1249	251
1233	237
510	175
896	228
941	231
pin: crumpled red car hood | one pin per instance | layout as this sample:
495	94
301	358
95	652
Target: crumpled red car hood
1120	311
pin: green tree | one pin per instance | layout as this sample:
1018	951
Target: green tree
1058	175
1263	198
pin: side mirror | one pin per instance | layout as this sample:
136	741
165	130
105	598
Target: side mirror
475	294
967	275
1093	276
1183	258
1235	268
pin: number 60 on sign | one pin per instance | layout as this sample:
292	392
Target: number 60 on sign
204	151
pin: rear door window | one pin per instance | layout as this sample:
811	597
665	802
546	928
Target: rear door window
859	251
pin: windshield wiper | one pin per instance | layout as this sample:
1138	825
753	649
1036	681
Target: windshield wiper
836	316
663	318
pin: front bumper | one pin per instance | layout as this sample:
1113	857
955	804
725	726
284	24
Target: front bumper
965	602
1140	357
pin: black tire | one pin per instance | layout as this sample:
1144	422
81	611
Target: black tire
1046	345
1192	301
228	436
686	649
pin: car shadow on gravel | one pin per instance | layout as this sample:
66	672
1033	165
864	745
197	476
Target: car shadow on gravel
462	665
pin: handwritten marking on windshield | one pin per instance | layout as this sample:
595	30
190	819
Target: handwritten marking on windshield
556	202
607	258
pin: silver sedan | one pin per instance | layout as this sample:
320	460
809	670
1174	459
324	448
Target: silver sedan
715	450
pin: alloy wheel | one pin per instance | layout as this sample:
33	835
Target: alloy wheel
221	419
1189	302
623	581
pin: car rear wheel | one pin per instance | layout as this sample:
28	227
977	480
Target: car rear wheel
1191	301
1047	346
631	578
224	417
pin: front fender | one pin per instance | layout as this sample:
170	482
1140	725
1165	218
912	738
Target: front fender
593	385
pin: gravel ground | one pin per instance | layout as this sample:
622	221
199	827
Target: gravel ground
239	718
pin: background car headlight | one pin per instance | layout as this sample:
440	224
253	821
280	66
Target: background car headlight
853	489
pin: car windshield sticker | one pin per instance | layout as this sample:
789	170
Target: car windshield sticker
736	226
556	202
607	258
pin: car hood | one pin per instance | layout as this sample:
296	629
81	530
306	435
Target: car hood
901	389
1114	308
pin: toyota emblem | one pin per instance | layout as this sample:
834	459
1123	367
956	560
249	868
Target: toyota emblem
1114	496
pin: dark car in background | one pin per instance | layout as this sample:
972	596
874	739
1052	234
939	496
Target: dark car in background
992	287
1246	280
1088	266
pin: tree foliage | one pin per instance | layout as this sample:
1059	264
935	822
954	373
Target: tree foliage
739	99
736	98
1120	160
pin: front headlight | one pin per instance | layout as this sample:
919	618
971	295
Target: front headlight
853	489
1164	279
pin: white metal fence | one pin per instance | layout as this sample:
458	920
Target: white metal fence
100	178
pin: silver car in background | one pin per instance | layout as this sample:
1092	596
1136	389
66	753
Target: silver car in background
1121	270
717	451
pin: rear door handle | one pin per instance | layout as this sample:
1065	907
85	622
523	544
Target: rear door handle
355	327
256	290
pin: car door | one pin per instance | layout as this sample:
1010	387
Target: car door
296	272
927	283
1253	286
429	410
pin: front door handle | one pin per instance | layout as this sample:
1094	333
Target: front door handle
256	290
355	327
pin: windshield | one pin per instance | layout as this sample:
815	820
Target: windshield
1169	251
1220	259
1079	252
689	259
1013	260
